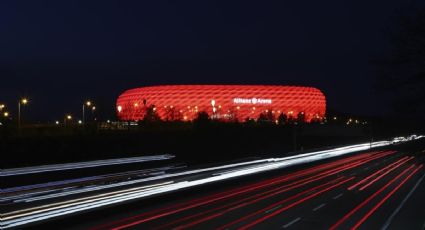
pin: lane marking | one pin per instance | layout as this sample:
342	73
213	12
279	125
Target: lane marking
397	210
318	207
376	207
390	167
291	223
291	205
271	210
337	196
385	173
365	202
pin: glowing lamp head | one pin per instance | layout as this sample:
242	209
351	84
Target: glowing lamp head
119	108
69	117
24	101
88	103
2	106
6	114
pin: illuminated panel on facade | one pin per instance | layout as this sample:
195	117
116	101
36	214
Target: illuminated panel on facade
232	102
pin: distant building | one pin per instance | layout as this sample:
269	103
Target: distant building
224	102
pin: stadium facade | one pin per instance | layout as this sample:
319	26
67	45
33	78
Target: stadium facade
224	102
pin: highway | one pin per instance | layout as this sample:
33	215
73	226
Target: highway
335	189
365	191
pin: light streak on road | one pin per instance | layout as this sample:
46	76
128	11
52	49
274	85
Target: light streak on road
365	202
381	202
22	217
72	186
80	165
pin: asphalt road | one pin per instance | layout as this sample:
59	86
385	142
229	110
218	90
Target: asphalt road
368	190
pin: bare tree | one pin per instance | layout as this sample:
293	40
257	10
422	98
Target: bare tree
403	73
151	114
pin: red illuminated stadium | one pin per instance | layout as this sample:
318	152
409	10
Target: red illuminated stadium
224	102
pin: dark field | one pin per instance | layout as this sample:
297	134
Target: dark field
190	143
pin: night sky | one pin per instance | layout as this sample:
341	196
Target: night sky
59	53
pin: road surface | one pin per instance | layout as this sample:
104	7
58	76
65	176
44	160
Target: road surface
380	188
371	190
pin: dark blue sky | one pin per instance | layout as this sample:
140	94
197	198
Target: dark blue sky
60	52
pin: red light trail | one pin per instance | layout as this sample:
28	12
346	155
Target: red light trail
361	205
313	174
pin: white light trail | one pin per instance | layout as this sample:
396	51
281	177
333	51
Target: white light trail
79	165
22	217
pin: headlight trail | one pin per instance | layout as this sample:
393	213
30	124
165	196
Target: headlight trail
80	165
206	175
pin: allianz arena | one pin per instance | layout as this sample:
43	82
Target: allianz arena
224	102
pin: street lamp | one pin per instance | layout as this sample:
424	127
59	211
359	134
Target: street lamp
2	106
67	118
88	104
23	101
6	114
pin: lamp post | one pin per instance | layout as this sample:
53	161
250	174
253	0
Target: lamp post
67	118
5	114
21	102
88	104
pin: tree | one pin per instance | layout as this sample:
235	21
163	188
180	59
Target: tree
151	115
282	119
403	72
262	118
266	116
301	117
202	118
